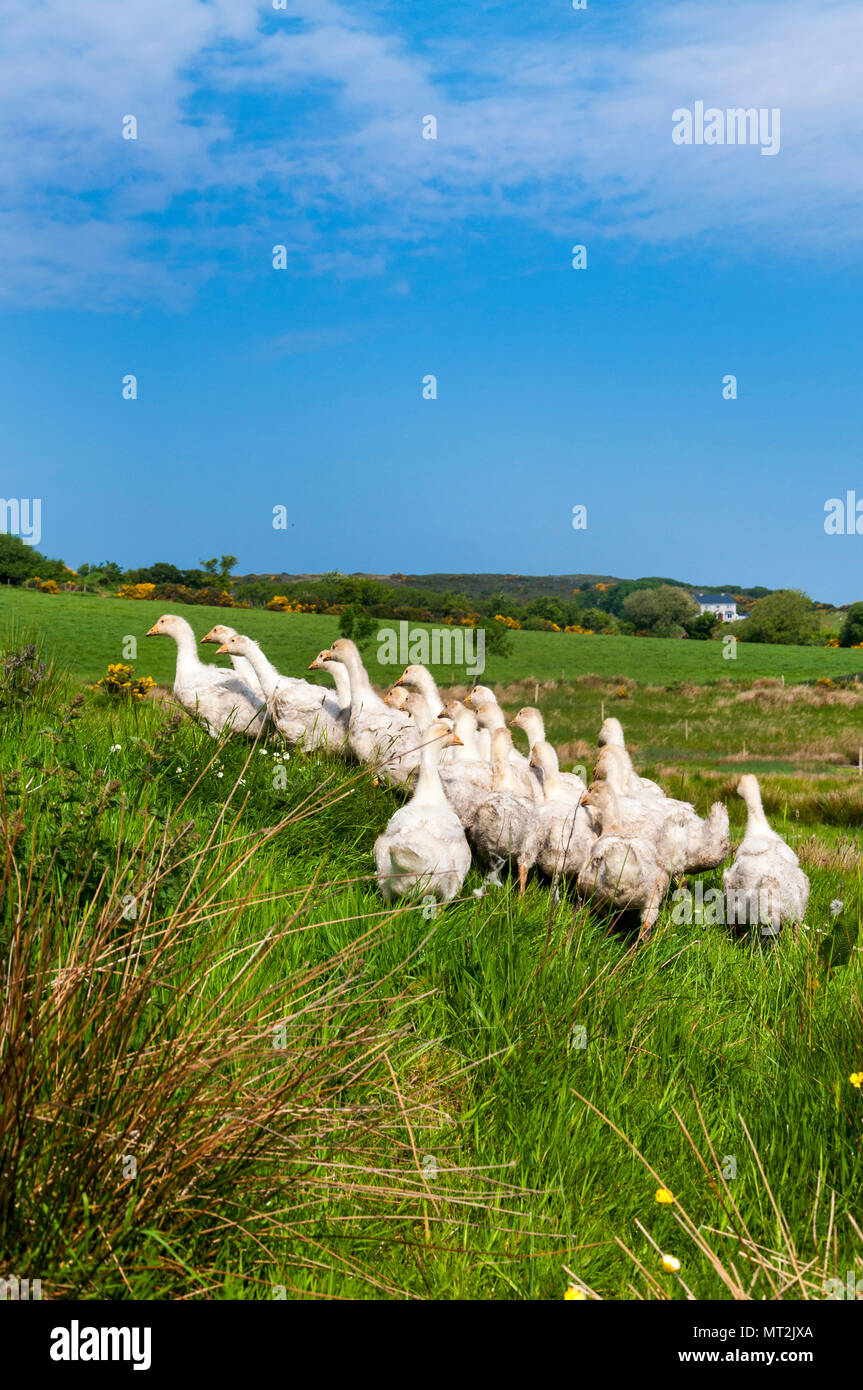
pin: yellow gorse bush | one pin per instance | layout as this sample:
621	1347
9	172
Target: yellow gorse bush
120	680
280	603
141	591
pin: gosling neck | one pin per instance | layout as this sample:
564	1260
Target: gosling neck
264	670
755	817
429	788
552	785
501	747
464	726
532	725
425	683
189	662
341	680
362	694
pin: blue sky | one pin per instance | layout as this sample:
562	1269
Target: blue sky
556	387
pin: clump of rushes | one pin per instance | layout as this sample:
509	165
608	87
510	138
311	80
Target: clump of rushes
25	677
163	1094
121	682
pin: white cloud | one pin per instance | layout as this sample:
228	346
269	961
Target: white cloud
307	124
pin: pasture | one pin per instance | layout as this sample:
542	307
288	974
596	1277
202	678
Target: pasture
86	633
325	1098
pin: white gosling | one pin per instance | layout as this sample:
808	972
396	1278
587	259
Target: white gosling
505	826
490	716
568	828
377	733
298	709
423	849
688	843
467	778
531	723
623	868
212	694
342	693
244	669
611	736
420	679
765	885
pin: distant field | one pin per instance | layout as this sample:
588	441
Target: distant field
87	633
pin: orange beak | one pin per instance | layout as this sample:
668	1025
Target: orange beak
209	638
222	651
458	742
154	632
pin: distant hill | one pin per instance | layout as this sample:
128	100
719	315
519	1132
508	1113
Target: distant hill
520	586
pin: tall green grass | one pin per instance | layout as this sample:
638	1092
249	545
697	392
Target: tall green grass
480	1103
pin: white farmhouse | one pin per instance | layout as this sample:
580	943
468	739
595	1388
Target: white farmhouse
723	605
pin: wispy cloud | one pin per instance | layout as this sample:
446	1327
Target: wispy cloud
303	127
302	341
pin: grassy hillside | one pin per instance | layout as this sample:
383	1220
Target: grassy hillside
331	1099
88	633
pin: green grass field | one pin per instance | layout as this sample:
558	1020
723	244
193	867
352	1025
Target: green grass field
477	1104
87	633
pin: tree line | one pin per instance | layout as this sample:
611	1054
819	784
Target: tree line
642	607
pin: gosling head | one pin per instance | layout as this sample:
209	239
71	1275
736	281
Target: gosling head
235	645
749	790
169	625
491	716
396	697
442	734
219	634
343	649
613	766
526	716
416	676
479	696
416	706
611	734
